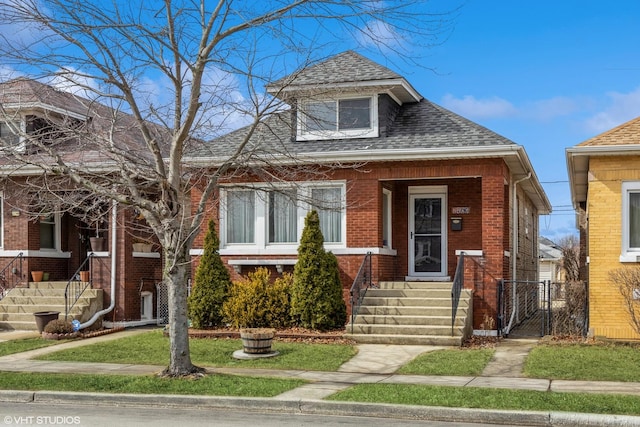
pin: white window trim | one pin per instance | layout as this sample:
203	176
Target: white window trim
389	220
261	246
21	147
372	132
628	254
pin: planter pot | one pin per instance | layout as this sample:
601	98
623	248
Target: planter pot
257	340
84	276
44	317
97	244
45	277
37	276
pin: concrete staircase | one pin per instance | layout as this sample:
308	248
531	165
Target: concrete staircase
18	306
415	313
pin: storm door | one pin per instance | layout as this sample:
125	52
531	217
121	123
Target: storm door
427	239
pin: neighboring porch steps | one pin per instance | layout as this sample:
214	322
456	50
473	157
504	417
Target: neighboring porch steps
18	306
415	313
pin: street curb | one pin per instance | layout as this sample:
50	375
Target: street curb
320	407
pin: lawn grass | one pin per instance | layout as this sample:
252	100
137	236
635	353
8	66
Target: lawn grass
153	349
449	362
588	362
490	398
22	345
210	385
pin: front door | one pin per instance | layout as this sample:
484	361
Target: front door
427	239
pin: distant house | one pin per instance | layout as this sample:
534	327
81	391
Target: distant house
604	175
550	261
396	176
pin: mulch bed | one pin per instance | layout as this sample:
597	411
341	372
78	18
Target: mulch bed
285	335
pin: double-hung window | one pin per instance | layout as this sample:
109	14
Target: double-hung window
49	231
8	136
283	217
241	216
270	220
630	221
339	118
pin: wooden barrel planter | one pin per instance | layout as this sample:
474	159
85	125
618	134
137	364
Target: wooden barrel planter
257	340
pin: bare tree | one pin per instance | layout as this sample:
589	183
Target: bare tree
160	78
627	279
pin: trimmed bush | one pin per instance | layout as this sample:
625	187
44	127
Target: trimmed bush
59	326
316	294
255	303
211	285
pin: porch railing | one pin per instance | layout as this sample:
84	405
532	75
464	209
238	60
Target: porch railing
361	283
76	286
11	275
456	290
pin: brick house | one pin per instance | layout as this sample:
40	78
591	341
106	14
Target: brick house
397	180
604	177
395	175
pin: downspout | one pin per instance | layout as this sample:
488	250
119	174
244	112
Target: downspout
514	249
114	245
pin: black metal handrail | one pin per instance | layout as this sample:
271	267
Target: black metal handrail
75	286
11	275
456	290
361	283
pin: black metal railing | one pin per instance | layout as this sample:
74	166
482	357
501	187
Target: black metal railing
456	290
11	275
361	283
77	285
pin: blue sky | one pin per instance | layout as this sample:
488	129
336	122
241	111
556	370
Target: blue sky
545	74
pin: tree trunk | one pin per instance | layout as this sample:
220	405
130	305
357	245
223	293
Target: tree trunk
176	276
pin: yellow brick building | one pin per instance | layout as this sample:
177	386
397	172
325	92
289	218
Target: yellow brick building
604	175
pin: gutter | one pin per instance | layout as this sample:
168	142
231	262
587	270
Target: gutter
114	245
514	249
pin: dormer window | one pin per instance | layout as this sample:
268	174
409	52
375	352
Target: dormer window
353	117
7	134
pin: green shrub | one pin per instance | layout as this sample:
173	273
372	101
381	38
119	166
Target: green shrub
255	303
211	285
316	294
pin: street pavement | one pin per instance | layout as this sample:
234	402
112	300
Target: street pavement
373	364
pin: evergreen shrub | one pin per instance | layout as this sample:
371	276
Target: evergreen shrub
211	285
316	295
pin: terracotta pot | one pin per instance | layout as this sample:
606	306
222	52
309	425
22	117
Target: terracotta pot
84	276
37	276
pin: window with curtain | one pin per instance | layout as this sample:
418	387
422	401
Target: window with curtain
241	216
283	217
328	203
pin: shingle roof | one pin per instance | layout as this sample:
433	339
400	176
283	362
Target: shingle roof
421	125
23	91
345	67
626	134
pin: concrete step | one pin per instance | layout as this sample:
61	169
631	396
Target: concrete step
415	285
405	339
411	302
385	310
37	300
411	293
387	329
48	285
408	320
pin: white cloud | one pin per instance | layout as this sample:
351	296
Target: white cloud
379	34
8	73
622	108
474	108
548	109
74	82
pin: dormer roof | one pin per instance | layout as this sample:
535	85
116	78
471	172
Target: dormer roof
346	71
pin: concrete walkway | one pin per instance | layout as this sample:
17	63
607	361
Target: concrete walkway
372	364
